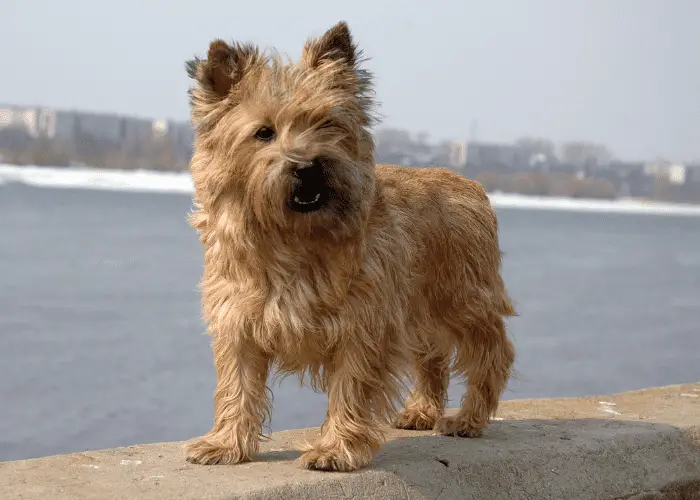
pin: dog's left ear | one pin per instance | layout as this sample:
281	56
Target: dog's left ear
335	45
223	68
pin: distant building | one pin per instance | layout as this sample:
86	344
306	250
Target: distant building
625	167
457	154
57	124
20	118
633	177
183	137
680	175
658	169
693	173
676	174
159	129
135	133
103	128
564	168
497	157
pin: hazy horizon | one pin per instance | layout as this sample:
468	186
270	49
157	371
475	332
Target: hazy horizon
625	74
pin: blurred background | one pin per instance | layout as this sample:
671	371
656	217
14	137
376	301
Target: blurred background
582	120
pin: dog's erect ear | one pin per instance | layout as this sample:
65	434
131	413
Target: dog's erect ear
224	67
335	45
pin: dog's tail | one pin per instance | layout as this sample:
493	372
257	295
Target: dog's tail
502	303
505	303
507	307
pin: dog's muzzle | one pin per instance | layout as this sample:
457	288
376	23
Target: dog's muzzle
309	187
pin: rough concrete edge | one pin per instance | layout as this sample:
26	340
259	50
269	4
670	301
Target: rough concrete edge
390	484
692	433
651	390
384	484
374	484
680	489
667	438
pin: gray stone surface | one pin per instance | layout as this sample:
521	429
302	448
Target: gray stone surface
515	459
637	445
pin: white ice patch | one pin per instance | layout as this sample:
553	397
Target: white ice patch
181	182
629	206
105	179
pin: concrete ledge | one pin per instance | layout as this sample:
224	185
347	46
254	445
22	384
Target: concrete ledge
634	445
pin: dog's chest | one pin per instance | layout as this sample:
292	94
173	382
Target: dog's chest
302	314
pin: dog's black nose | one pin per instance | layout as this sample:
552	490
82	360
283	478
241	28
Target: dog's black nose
309	171
309	191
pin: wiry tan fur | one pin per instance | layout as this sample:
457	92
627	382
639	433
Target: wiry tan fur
399	275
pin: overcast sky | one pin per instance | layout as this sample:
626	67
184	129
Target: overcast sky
622	72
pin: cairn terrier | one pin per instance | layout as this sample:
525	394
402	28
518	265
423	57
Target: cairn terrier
318	262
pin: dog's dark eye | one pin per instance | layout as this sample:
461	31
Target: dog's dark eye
326	124
265	134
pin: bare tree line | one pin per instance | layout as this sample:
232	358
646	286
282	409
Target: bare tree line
574	169
148	153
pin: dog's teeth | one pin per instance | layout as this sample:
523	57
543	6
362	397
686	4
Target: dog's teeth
316	198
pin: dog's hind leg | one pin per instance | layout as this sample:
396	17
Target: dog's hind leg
485	355
426	403
241	404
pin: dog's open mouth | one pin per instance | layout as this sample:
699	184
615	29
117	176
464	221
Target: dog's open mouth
309	190
307	198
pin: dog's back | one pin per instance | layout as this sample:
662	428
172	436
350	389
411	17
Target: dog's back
455	228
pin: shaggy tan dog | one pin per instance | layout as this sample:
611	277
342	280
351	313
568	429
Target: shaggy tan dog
319	262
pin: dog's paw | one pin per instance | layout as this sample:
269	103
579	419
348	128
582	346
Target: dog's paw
414	420
331	460
207	452
457	426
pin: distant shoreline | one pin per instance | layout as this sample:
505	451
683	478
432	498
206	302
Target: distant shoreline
180	182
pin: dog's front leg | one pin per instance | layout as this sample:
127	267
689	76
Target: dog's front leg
350	436
241	403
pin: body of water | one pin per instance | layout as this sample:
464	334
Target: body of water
102	345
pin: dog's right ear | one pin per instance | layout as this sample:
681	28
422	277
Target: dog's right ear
223	68
334	45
